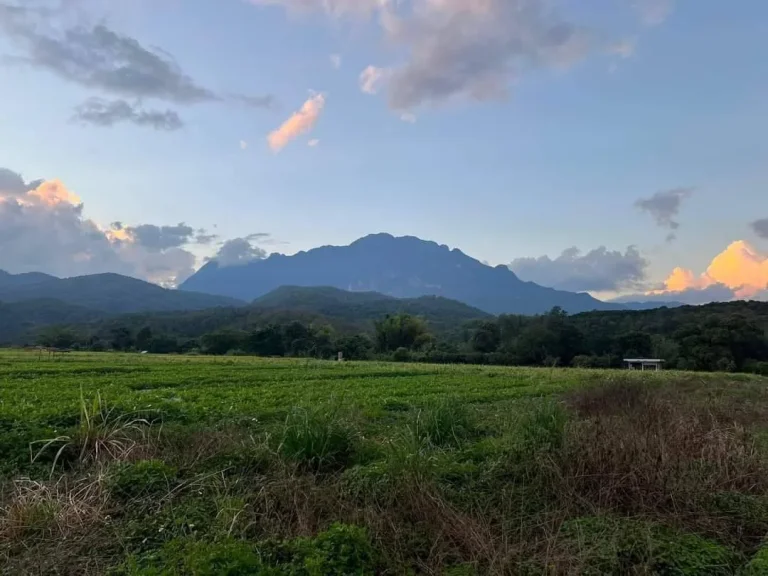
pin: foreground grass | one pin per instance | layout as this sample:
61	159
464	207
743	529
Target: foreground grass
127	464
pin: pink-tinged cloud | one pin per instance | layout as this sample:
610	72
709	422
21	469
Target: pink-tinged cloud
372	79
740	267
299	123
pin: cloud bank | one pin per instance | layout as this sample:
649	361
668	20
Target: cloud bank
43	229
740	268
239	251
598	270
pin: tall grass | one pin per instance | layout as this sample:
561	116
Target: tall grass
102	434
317	438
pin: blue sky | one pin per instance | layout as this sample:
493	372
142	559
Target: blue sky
549	148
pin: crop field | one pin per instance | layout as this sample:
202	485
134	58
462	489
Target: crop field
132	464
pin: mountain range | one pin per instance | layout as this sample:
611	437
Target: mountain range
110	293
349	286
404	267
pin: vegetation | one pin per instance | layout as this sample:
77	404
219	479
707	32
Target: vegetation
130	464
727	337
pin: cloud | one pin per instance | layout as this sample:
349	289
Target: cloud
336	8
267	101
238	252
625	48
335	61
104	113
664	207
474	50
314	143
408	117
43	228
98	58
654	12
692	296
371	79
243	145
161	237
740	267
299	123
760	227
202	237
598	270
12	184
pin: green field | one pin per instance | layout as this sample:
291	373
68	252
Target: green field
139	464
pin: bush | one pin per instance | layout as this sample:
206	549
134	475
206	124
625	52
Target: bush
401	355
317	438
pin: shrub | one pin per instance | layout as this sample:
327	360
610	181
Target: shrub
317	438
401	355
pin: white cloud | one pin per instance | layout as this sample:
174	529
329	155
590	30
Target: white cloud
654	12
243	144
299	123
336	61
335	8
313	143
625	48
598	270
43	229
474	50
371	79
408	117
239	251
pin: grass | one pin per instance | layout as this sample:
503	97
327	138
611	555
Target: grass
129	464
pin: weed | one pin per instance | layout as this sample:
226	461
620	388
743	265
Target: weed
101	434
317	438
602	545
758	565
39	510
445	423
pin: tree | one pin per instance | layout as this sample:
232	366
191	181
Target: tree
399	331
267	341
486	337
143	338
121	339
219	343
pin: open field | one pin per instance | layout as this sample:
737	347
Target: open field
138	464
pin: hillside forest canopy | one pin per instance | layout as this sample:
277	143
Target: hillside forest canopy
729	337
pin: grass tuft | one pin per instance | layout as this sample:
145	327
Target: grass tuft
317	438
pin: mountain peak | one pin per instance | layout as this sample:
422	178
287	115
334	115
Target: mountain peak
403	267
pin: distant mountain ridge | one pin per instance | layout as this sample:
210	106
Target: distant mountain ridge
348	312
106	293
404	267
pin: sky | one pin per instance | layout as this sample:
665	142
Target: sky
611	146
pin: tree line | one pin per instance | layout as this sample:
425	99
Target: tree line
718	337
